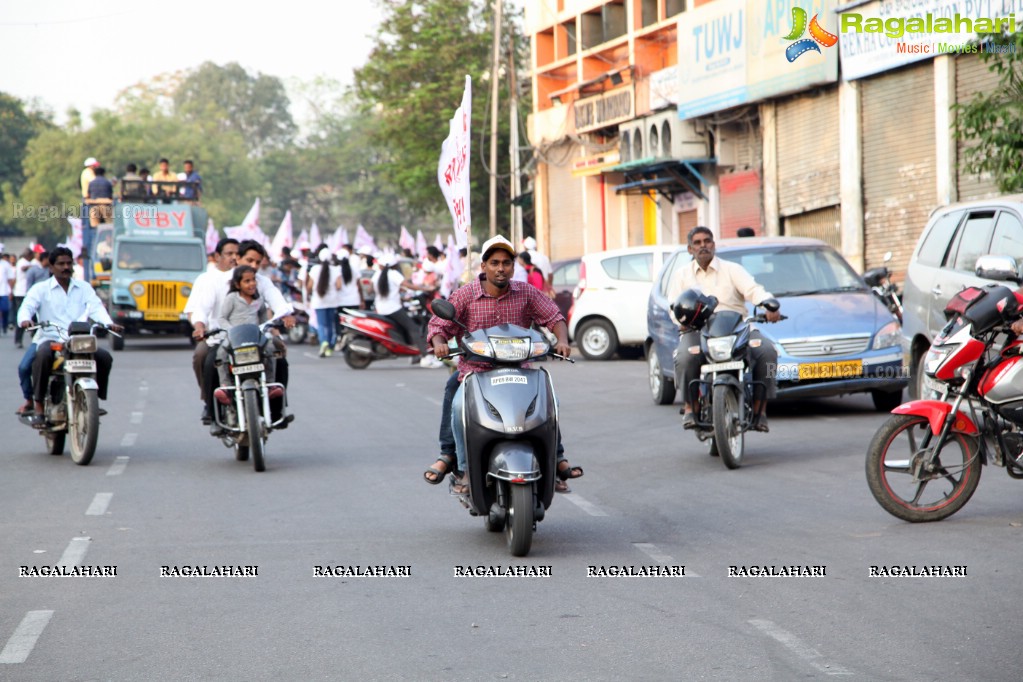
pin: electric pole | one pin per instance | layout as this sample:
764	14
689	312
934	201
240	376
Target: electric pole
495	64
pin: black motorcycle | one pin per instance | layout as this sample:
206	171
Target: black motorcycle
243	410
880	282
511	430
71	403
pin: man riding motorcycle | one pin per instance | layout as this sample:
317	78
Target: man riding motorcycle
61	300
733	286
490	299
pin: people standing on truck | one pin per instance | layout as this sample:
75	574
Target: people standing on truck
146	186
165	183
87	176
192	191
101	199
131	184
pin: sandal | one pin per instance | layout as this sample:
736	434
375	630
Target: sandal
561	487
439	474
27	408
569	471
460	486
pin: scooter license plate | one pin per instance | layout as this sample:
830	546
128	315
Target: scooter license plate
84	366
247	369
721	366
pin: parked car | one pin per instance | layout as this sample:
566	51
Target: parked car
610	299
944	261
839	337
564	278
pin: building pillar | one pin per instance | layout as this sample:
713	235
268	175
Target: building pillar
851	173
944	128
769	180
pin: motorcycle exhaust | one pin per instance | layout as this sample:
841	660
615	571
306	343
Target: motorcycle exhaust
361	346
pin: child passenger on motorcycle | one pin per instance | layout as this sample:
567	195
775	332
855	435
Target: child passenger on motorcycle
242	306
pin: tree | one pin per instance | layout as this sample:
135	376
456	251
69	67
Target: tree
18	125
254	106
993	121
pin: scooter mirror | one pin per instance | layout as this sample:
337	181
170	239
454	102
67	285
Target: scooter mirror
771	305
874	276
887	256
443	309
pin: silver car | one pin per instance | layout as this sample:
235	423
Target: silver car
945	260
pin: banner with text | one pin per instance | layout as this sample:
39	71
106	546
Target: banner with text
453	168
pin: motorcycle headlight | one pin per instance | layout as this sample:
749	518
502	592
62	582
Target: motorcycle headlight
720	349
82	344
247	356
510	349
936	356
889	335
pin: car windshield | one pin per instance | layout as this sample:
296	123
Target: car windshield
798	270
152	256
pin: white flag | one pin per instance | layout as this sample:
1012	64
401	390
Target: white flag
212	236
75	241
314	236
284	237
453	169
406	241
363	239
420	244
303	241
453	268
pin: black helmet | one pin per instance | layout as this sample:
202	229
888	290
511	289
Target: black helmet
692	308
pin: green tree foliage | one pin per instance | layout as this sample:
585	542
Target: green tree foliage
18	125
992	122
256	106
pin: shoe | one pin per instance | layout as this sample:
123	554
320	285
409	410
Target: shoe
415	361
207	418
329	351
101	412
288	418
561	487
688	420
431	362
323	349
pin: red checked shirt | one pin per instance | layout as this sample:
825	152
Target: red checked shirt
523	305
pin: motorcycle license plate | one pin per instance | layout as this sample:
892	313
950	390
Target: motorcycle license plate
80	365
247	369
831	370
721	366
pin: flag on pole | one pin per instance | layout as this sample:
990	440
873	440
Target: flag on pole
453	168
314	236
212	236
453	268
284	237
363	238
303	241
439	243
334	241
406	241
249	229
420	244
344	236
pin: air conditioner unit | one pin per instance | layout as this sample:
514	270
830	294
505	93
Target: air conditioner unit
632	141
727	147
661	136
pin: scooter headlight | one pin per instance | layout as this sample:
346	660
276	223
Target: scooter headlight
511	349
720	349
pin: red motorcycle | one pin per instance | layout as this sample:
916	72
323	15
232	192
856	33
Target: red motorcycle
369	336
924	462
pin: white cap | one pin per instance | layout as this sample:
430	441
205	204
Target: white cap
388	259
91	161
495	243
529	243
365	251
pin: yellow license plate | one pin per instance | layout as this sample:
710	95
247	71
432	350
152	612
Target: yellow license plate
831	370
162	317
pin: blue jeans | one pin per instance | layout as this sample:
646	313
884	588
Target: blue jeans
88	233
447	440
326	327
25	371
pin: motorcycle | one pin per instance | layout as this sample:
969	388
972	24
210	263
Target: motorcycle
880	282
370	336
726	390
71	404
924	463
511	430
298	334
242	410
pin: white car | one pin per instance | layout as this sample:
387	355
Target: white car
611	299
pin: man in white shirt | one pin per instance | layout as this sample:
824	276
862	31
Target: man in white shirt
62	300
733	286
21	288
6	288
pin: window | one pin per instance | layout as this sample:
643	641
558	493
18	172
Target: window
680	259
673	7
567	275
649	12
974	240
636	268
933	250
1008	239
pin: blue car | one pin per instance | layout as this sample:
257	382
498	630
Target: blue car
839	337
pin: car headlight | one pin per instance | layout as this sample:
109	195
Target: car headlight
720	349
247	356
82	344
186	291
936	356
137	289
889	335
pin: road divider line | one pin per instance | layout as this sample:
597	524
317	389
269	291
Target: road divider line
136	417
121	463
129	440
584	504
798	647
75	552
25	636
99	504
144	386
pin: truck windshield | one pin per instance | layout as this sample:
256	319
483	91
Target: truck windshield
151	256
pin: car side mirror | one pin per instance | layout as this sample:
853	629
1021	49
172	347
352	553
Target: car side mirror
443	309
874	276
999	268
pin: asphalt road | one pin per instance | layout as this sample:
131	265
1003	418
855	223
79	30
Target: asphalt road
344	488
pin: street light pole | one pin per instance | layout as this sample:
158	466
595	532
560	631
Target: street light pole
494	66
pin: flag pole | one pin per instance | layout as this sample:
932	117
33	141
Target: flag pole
494	65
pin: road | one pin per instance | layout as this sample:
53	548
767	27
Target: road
344	488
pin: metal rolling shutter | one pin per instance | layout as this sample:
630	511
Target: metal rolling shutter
686	221
972	76
741	203
808	154
899	175
823	224
565	212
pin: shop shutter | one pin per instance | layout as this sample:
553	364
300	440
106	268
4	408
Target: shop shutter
972	76
565	209
823	224
808	153
899	171
686	221
741	203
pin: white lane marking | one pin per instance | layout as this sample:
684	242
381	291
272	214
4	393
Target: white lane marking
655	553
798	647
584	504
129	440
99	504
144	387
311	355
121	463
75	552
438	403
24	639
136	417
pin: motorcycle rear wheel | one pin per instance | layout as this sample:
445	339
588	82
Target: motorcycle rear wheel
519	523
84	429
898	448
357	360
254	425
728	435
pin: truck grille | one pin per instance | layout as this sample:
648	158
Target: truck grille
162	297
821	346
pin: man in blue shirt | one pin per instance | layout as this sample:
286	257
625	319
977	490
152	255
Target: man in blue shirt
62	300
193	190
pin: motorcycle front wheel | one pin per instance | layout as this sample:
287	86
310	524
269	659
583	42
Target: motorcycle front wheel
254	426
519	519
906	484
728	435
84	429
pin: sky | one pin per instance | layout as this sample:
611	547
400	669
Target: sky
81	54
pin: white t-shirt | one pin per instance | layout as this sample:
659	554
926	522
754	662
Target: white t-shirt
541	261
6	274
348	295
388	305
330	299
20	270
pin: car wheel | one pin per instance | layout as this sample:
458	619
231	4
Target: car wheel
662	389
597	340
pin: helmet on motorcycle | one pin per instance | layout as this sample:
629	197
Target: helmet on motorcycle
692	308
